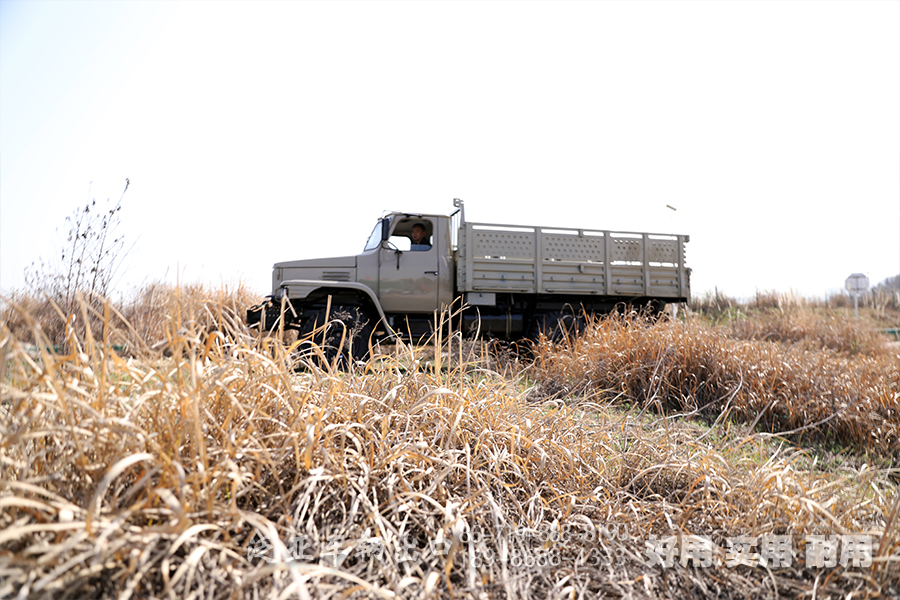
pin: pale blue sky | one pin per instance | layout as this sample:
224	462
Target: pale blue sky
260	132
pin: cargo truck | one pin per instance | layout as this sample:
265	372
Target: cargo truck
510	282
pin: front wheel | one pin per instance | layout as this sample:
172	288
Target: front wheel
342	336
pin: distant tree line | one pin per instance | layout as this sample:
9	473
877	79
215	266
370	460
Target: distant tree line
891	283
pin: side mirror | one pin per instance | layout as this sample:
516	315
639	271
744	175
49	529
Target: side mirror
385	229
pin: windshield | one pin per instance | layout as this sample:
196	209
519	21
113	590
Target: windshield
374	238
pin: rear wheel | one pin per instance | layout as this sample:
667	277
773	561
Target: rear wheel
555	327
342	335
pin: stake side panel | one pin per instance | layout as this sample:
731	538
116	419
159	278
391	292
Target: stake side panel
541	260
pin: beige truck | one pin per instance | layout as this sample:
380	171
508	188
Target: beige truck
514	282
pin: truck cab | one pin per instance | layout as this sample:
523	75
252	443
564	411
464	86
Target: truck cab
409	275
398	275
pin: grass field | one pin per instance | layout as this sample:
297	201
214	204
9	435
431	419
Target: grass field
166	451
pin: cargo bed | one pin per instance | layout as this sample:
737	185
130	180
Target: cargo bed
540	260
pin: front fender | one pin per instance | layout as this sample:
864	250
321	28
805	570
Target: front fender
302	288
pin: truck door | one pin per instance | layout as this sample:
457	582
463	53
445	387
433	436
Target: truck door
409	271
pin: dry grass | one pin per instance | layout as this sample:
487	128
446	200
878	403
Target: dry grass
880	308
850	398
151	476
145	321
811	331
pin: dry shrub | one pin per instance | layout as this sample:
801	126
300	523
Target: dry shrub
687	367
20	309
152	318
154	477
812	331
157	307
717	306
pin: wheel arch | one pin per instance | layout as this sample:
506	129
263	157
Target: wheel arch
308	290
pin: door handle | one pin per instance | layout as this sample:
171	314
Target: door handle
431	272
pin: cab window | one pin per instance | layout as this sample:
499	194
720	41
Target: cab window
413	234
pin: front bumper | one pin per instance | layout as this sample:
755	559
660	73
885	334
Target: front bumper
267	315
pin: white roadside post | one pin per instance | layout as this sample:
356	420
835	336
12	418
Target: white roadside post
855	284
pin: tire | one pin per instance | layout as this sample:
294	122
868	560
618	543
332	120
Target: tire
555	327
345	337
656	309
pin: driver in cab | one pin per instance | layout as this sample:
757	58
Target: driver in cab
419	238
